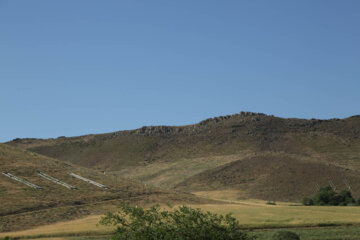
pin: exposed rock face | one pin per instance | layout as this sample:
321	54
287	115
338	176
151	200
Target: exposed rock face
245	123
159	130
222	118
242	117
192	129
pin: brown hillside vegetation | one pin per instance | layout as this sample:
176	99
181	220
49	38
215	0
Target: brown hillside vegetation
167	156
273	177
22	206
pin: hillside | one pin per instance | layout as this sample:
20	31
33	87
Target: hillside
23	206
273	176
169	156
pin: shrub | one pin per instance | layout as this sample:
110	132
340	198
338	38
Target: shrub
307	201
346	197
327	196
7	238
271	202
135	223
324	196
285	235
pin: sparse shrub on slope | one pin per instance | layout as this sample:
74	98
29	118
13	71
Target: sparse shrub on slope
135	223
285	235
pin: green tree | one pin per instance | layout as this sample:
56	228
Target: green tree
327	196
347	197
135	223
324	196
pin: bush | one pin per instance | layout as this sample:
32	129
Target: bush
285	235
134	223
324	196
327	196
7	238
307	201
271	202
347	197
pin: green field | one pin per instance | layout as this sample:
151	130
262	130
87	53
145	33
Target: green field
267	216
324	233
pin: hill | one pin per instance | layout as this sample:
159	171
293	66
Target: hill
273	176
23	206
168	156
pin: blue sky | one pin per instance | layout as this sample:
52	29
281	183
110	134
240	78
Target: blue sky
76	67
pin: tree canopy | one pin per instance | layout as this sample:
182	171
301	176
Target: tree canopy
326	196
135	223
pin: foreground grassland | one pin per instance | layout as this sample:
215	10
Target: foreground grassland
81	227
255	216
260	215
325	233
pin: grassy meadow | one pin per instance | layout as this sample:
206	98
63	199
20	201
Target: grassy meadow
87	226
324	233
255	216
273	216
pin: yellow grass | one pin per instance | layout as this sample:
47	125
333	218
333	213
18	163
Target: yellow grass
87	225
171	173
261	215
220	194
250	213
256	213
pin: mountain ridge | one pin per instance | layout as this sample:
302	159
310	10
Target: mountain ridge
186	129
159	155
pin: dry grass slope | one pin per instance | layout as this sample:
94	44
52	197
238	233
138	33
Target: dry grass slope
293	150
23	207
273	176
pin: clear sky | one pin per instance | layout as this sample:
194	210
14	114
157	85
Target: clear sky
74	67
